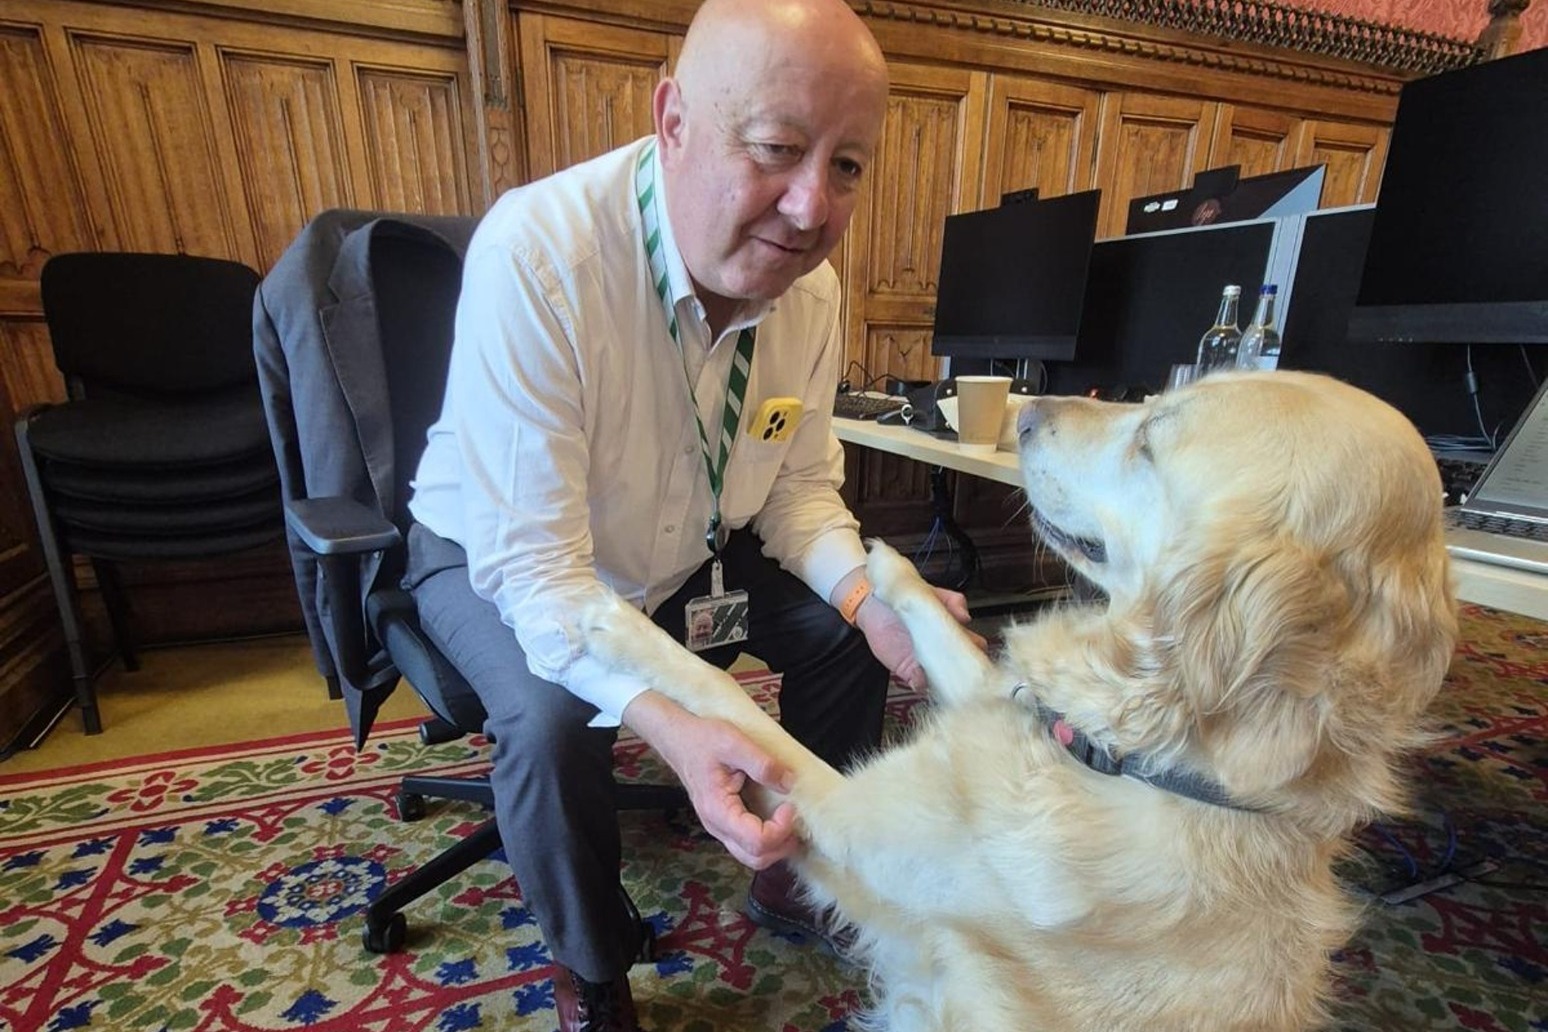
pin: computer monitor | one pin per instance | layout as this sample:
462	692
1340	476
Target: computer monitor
1012	279
1150	297
1220	195
1456	252
1426	382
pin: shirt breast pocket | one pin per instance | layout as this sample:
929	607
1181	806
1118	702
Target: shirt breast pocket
749	477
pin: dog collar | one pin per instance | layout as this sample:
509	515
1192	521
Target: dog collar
1098	758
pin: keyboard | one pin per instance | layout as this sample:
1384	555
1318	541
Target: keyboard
1529	530
865	406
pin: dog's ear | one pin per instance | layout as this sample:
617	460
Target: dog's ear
1248	637
1239	617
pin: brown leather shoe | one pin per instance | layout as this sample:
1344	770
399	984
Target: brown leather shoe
775	902
593	1006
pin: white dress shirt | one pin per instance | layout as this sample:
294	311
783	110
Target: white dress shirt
566	461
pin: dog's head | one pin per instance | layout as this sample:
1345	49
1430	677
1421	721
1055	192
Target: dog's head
1271	544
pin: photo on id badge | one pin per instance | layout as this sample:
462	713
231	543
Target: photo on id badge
716	620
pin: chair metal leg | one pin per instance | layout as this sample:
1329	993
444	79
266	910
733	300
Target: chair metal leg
117	605
385	927
63	582
468	790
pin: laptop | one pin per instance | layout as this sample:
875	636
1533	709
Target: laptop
1504	520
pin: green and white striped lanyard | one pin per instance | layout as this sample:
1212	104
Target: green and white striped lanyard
741	362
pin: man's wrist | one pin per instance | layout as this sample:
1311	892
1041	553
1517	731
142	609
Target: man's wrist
854	599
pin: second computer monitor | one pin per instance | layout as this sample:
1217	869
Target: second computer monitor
1013	278
1150	297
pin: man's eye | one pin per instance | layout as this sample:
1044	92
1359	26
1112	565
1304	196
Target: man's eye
776	151
849	168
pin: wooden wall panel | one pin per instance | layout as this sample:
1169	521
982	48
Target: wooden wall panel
415	139
1149	144
213	128
1354	155
289	143
1257	140
1040	135
925	169
589	88
40	193
152	132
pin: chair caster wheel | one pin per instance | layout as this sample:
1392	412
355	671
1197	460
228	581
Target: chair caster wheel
385	937
411	806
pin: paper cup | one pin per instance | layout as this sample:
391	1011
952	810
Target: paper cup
980	411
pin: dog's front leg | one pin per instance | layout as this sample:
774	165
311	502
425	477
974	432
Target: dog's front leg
954	664
623	639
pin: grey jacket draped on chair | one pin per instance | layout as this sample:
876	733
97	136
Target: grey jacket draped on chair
310	315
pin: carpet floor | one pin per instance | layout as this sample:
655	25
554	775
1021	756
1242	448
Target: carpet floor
220	888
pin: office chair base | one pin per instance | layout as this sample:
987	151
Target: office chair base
386	928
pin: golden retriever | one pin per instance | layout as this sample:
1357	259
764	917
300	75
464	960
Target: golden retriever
1279	614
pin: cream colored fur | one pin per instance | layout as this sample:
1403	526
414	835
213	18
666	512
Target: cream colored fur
1279	616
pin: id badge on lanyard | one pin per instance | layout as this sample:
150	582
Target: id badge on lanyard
719	618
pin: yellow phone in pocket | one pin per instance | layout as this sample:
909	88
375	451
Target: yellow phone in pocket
776	420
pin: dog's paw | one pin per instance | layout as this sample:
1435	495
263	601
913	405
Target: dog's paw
892	576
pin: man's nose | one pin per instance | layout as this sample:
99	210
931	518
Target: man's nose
805	201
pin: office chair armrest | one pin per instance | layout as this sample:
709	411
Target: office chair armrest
339	526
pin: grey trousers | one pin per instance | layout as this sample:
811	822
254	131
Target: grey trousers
552	774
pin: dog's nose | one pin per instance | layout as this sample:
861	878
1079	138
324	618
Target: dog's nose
1029	419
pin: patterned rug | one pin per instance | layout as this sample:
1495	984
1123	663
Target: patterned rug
222	889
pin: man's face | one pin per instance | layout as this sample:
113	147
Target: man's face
763	176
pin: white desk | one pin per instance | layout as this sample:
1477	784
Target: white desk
915	444
1499	587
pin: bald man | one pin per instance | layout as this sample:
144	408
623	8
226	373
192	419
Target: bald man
639	398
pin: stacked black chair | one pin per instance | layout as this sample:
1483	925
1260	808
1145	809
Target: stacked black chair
160	451
384	354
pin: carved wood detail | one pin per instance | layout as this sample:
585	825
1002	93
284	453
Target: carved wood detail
1292	29
289	141
40	190
414	141
917	182
1354	156
1041	135
1258	141
151	126
588	89
1149	145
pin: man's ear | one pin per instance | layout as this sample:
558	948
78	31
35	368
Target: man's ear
667	110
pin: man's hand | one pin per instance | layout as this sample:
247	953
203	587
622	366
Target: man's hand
714	761
890	641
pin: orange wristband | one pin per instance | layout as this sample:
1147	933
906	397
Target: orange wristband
852	602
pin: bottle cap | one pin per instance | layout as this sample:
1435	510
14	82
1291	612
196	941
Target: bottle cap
1233	290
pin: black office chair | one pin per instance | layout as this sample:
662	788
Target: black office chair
160	451
415	277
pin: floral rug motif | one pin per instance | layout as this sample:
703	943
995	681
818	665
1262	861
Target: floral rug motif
222	889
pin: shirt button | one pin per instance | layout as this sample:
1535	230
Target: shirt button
670	528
